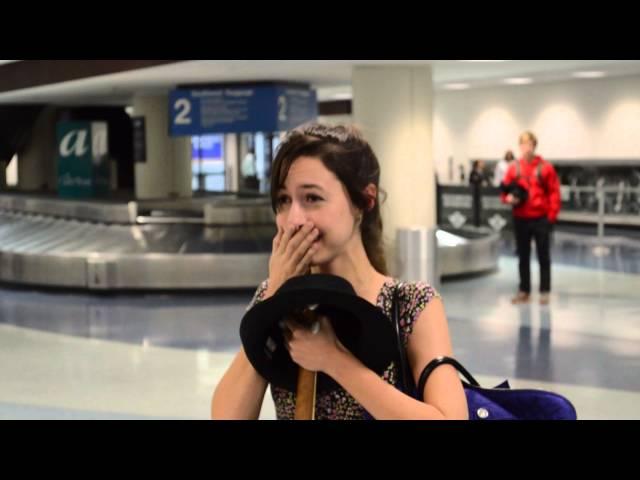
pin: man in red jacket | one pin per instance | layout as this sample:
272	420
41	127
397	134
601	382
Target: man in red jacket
531	185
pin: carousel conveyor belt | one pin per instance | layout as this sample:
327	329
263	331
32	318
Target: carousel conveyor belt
219	244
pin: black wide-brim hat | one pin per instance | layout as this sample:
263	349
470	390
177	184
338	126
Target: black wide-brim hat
359	325
515	189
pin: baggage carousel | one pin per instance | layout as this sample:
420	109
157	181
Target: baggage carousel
216	242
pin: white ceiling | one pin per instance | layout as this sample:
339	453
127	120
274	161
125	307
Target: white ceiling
329	77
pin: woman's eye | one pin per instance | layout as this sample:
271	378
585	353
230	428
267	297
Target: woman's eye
281	201
313	198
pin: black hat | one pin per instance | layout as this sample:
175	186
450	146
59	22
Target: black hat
359	325
515	189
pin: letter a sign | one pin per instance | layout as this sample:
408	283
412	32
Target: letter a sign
82	151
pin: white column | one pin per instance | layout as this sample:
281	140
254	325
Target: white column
12	172
393	106
231	163
167	170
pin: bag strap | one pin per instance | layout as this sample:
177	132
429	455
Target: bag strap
406	377
435	363
538	174
541	180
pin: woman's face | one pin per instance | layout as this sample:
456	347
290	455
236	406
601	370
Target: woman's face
312	193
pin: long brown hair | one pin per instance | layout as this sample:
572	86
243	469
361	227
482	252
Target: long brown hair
343	151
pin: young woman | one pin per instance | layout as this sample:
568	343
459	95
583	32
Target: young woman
325	193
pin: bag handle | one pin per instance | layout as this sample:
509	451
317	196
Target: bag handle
435	363
406	377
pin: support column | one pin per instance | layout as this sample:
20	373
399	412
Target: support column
167	170
231	163
38	161
393	106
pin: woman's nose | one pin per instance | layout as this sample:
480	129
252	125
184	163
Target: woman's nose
297	217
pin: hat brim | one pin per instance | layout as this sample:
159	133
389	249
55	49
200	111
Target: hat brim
360	326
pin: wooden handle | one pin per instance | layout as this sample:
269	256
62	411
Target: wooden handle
306	395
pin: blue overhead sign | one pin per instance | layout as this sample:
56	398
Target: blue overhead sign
238	109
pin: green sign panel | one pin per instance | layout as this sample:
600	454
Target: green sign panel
83	159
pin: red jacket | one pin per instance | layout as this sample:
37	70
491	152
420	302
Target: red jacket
544	199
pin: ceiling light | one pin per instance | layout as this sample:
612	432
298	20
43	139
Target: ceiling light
456	86
518	81
589	74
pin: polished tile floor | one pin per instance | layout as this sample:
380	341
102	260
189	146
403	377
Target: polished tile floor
76	356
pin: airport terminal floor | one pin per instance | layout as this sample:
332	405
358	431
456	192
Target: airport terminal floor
73	355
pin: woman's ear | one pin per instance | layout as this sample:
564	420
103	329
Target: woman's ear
371	192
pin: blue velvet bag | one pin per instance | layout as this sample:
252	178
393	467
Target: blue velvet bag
498	403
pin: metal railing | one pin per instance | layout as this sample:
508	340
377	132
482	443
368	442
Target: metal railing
601	191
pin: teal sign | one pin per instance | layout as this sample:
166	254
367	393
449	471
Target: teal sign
83	159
